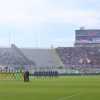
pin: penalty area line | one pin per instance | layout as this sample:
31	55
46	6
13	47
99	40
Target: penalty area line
68	97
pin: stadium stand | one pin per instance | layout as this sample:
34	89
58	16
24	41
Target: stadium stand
11	57
85	59
15	57
46	58
29	62
65	59
80	56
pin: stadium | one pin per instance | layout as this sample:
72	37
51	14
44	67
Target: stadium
83	58
62	73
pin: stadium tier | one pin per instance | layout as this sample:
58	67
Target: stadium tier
36	58
80	56
10	56
87	38
43	57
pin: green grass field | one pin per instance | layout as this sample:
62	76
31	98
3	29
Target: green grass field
61	88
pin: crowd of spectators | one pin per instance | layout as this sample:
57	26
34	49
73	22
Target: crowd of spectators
79	56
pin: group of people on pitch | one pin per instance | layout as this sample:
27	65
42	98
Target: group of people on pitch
48	73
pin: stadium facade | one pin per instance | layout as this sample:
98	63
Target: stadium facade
84	57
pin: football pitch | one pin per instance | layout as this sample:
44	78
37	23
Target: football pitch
61	88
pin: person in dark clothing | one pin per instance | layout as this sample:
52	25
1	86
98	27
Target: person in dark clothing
26	76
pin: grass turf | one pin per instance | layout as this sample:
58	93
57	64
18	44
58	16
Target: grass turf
61	88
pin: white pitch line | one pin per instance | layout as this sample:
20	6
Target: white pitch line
68	97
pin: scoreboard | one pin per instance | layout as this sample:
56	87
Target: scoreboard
87	36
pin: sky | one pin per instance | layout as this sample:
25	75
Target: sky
45	23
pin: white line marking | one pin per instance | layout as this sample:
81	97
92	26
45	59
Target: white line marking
68	97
